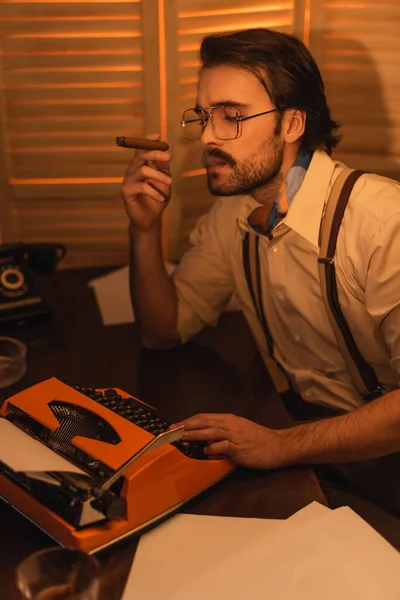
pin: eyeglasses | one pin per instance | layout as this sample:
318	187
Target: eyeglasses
225	121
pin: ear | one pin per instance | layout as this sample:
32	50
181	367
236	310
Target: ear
294	125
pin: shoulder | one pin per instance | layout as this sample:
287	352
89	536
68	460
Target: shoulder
221	221
371	222
375	198
231	208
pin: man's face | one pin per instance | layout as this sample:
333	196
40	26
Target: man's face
252	160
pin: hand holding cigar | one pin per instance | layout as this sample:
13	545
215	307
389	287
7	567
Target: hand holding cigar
141	143
146	187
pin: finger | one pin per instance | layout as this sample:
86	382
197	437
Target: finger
163	189
211	433
140	156
224	447
131	189
155	156
152	155
217	457
164	166
143	188
203	421
152	136
145	172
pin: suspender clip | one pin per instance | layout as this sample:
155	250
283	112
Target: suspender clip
326	260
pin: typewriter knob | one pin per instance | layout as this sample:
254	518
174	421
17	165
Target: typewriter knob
110	505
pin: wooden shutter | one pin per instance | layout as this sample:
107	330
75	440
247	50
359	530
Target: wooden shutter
72	80
193	20
75	74
357	46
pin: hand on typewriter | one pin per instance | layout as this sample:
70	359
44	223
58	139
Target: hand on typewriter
246	443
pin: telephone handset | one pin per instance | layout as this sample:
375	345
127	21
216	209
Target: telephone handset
18	299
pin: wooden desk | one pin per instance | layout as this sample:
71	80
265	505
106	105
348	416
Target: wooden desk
219	371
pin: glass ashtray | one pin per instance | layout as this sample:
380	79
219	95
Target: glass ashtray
12	361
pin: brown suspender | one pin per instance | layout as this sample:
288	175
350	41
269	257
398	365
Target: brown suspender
251	263
362	373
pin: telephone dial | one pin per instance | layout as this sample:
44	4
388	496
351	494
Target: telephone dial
18	298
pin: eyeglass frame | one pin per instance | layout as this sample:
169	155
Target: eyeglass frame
209	116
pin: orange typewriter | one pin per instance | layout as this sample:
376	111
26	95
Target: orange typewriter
110	465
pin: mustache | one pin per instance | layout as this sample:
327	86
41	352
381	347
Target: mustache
219	154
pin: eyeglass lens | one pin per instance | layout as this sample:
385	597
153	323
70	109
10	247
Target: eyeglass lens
224	121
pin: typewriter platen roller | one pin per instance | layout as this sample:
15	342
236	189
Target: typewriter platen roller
129	470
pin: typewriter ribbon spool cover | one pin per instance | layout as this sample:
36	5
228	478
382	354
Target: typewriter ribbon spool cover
128	471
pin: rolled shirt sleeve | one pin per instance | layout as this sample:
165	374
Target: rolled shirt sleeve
382	293
204	280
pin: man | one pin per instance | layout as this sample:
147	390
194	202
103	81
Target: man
267	134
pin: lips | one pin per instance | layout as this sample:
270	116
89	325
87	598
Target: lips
214	159
211	162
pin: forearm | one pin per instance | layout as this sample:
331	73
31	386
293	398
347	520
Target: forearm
153	295
368	432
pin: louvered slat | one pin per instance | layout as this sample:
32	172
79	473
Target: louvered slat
359	57
72	76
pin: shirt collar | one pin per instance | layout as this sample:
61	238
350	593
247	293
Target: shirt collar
264	220
305	211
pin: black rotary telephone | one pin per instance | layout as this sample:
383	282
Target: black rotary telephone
18	299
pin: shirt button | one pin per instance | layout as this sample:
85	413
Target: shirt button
296	337
308	394
279	295
275	249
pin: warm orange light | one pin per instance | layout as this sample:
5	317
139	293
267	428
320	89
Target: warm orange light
44	18
193	173
188	47
162	69
376	4
284	22
189	64
74	86
64	180
78	35
306	28
163	104
86	52
76	1
188	80
236	11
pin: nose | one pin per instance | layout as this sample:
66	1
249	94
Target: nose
208	136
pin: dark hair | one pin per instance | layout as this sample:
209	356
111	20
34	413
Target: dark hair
287	71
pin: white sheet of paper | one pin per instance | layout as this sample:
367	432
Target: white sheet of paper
171	556
317	553
22	453
345	558
113	296
253	570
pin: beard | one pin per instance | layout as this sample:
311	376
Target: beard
260	169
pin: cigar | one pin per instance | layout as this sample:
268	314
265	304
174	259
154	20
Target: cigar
140	143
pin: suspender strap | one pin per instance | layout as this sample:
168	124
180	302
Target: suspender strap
251	263
362	374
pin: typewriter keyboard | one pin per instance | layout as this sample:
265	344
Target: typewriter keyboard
144	416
